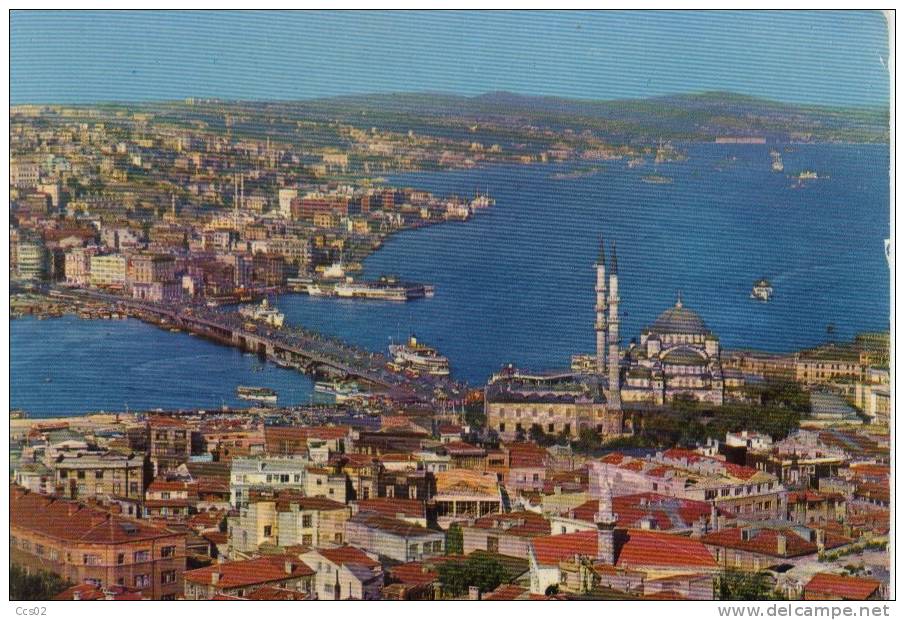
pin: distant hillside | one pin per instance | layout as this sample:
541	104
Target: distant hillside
703	116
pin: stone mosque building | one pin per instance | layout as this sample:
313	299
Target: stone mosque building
676	354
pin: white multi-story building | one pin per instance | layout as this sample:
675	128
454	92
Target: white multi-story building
272	473
108	270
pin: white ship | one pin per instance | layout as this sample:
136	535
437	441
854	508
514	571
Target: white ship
777	161
762	290
318	290
336	271
482	201
263	313
341	392
420	358
261	394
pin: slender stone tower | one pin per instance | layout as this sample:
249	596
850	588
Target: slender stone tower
600	308
615	397
606	520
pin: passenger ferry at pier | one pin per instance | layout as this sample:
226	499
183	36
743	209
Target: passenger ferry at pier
263	313
261	394
387	288
762	290
420	358
340	392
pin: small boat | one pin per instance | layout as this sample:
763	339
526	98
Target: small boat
762	290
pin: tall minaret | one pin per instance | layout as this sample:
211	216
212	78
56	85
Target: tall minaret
606	521
600	308
615	397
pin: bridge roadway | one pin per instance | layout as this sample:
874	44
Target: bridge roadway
301	348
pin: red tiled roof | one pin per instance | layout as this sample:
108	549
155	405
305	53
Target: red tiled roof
664	510
550	550
811	496
74	522
91	592
389	506
414	573
645	549
460	447
218	538
739	471
266	569
269	593
161	484
828	585
507	592
348	555
526	455
763	541
680	453
523	523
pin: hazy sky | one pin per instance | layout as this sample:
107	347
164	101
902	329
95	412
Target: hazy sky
825	58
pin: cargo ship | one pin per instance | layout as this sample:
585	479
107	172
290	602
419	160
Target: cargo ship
261	394
419	358
263	313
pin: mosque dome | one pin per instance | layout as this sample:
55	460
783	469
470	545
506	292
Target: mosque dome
679	320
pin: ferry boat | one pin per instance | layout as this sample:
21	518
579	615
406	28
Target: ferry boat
482	201
656	179
762	290
419	358
387	288
263	313
336	271
261	394
807	175
777	161
339	391
319	290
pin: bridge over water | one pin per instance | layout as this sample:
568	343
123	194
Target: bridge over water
289	346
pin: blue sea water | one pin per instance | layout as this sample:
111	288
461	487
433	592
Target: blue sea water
70	366
515	284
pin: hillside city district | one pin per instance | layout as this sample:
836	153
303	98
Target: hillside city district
668	469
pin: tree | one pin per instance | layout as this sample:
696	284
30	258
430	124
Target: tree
737	585
454	540
482	572
474	415
452	578
588	440
39	586
538	436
